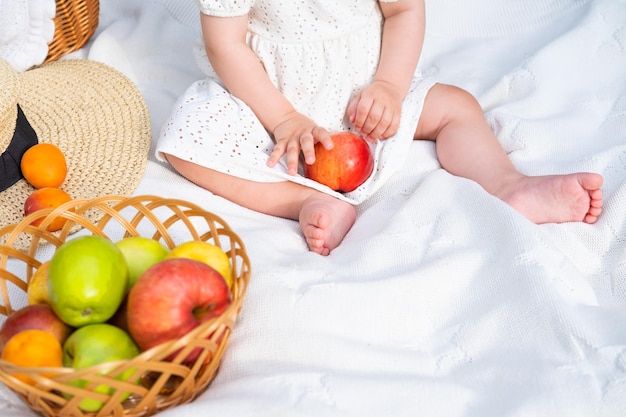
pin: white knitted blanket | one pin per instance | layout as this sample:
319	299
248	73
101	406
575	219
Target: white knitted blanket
26	29
442	301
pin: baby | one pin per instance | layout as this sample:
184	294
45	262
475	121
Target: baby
282	75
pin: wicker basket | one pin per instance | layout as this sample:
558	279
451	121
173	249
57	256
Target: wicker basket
163	384
74	24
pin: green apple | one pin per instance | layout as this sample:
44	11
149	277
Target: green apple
140	254
92	345
87	280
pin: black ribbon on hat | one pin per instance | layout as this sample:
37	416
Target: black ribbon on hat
23	138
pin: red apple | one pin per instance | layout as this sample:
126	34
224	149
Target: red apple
35	316
173	297
344	167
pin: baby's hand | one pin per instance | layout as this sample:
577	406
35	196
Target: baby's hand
375	111
297	133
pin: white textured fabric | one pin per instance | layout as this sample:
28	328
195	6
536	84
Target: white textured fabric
319	54
26	29
225	8
441	301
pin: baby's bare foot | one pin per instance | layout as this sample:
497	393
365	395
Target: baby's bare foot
325	221
557	198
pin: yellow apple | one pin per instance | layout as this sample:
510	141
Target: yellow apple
37	291
206	252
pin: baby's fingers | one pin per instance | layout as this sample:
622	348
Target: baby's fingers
307	142
358	111
277	153
376	122
281	149
384	124
293	155
321	135
351	110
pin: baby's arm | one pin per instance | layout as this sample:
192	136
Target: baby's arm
243	74
375	111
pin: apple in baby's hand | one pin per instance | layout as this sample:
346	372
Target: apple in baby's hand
35	316
344	167
173	297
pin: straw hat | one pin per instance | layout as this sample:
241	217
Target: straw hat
91	111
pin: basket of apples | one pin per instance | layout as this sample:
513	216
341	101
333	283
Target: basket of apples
127	317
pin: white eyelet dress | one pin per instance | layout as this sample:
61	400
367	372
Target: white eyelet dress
319	54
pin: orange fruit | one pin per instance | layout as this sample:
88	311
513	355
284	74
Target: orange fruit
44	165
33	348
46	198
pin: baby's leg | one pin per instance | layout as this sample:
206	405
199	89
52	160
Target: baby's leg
324	220
467	147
